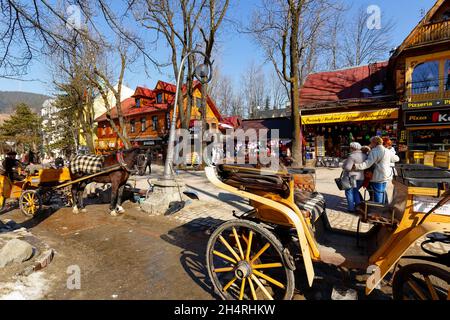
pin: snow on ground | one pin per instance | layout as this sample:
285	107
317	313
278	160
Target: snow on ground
32	287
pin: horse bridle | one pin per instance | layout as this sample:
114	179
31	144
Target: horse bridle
123	165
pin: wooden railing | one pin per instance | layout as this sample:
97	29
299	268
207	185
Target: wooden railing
433	32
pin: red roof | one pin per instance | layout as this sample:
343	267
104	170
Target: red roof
342	84
128	109
128	105
143	92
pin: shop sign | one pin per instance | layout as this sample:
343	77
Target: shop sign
382	114
427	104
427	117
149	143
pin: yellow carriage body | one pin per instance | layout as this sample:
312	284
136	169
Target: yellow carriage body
48	177
9	189
410	205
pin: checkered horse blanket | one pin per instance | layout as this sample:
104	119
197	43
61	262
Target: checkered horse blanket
86	164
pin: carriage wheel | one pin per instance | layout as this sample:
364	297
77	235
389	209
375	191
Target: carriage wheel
421	282
246	261
30	203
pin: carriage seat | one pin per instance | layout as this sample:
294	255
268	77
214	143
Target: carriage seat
312	202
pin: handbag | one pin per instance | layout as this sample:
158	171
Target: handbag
343	182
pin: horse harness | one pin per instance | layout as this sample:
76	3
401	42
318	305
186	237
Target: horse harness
121	161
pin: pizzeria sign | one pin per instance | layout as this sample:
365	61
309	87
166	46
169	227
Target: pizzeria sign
427	117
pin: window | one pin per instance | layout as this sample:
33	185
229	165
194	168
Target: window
168	120
138	103
447	75
159	98
103	130
155	123
425	78
198	102
143	124
133	126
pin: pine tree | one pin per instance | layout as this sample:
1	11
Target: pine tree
23	128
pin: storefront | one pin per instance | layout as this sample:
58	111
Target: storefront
427	133
329	135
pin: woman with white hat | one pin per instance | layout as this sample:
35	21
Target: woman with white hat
356	176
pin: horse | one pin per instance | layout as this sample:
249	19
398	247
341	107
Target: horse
126	160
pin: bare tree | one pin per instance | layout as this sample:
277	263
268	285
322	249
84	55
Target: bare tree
253	84
31	28
363	44
277	92
289	32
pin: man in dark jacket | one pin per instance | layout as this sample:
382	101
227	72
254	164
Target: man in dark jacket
148	162
10	165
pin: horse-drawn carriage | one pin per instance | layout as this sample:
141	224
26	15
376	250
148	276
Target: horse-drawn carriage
255	256
40	185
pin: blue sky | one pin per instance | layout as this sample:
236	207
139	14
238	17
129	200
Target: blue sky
237	51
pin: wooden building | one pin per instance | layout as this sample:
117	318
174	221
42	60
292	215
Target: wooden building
341	106
148	114
421	68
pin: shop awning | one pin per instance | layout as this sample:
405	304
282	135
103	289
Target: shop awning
353	116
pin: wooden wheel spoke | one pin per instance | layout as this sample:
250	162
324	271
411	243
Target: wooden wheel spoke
416	289
268	265
241	295
431	288
238	242
252	289
229	284
270	279
226	244
221	270
263	249
261	286
224	256
27	197
249	247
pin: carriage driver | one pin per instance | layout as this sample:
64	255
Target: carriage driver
11	164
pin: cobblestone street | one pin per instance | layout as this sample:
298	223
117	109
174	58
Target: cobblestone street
137	256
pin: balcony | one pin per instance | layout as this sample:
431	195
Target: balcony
432	33
428	90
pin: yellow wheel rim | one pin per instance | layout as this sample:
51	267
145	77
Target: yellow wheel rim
239	252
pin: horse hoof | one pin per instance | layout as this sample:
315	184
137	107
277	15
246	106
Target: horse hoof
83	210
114	213
75	210
120	209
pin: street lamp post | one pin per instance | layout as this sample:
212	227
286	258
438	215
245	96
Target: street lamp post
201	73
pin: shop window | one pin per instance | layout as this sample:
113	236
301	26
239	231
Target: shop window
143	124
425	78
133	126
155	123
447	75
159	98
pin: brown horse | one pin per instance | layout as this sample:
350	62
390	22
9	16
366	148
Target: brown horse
118	178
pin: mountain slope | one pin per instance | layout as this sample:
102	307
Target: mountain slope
9	99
